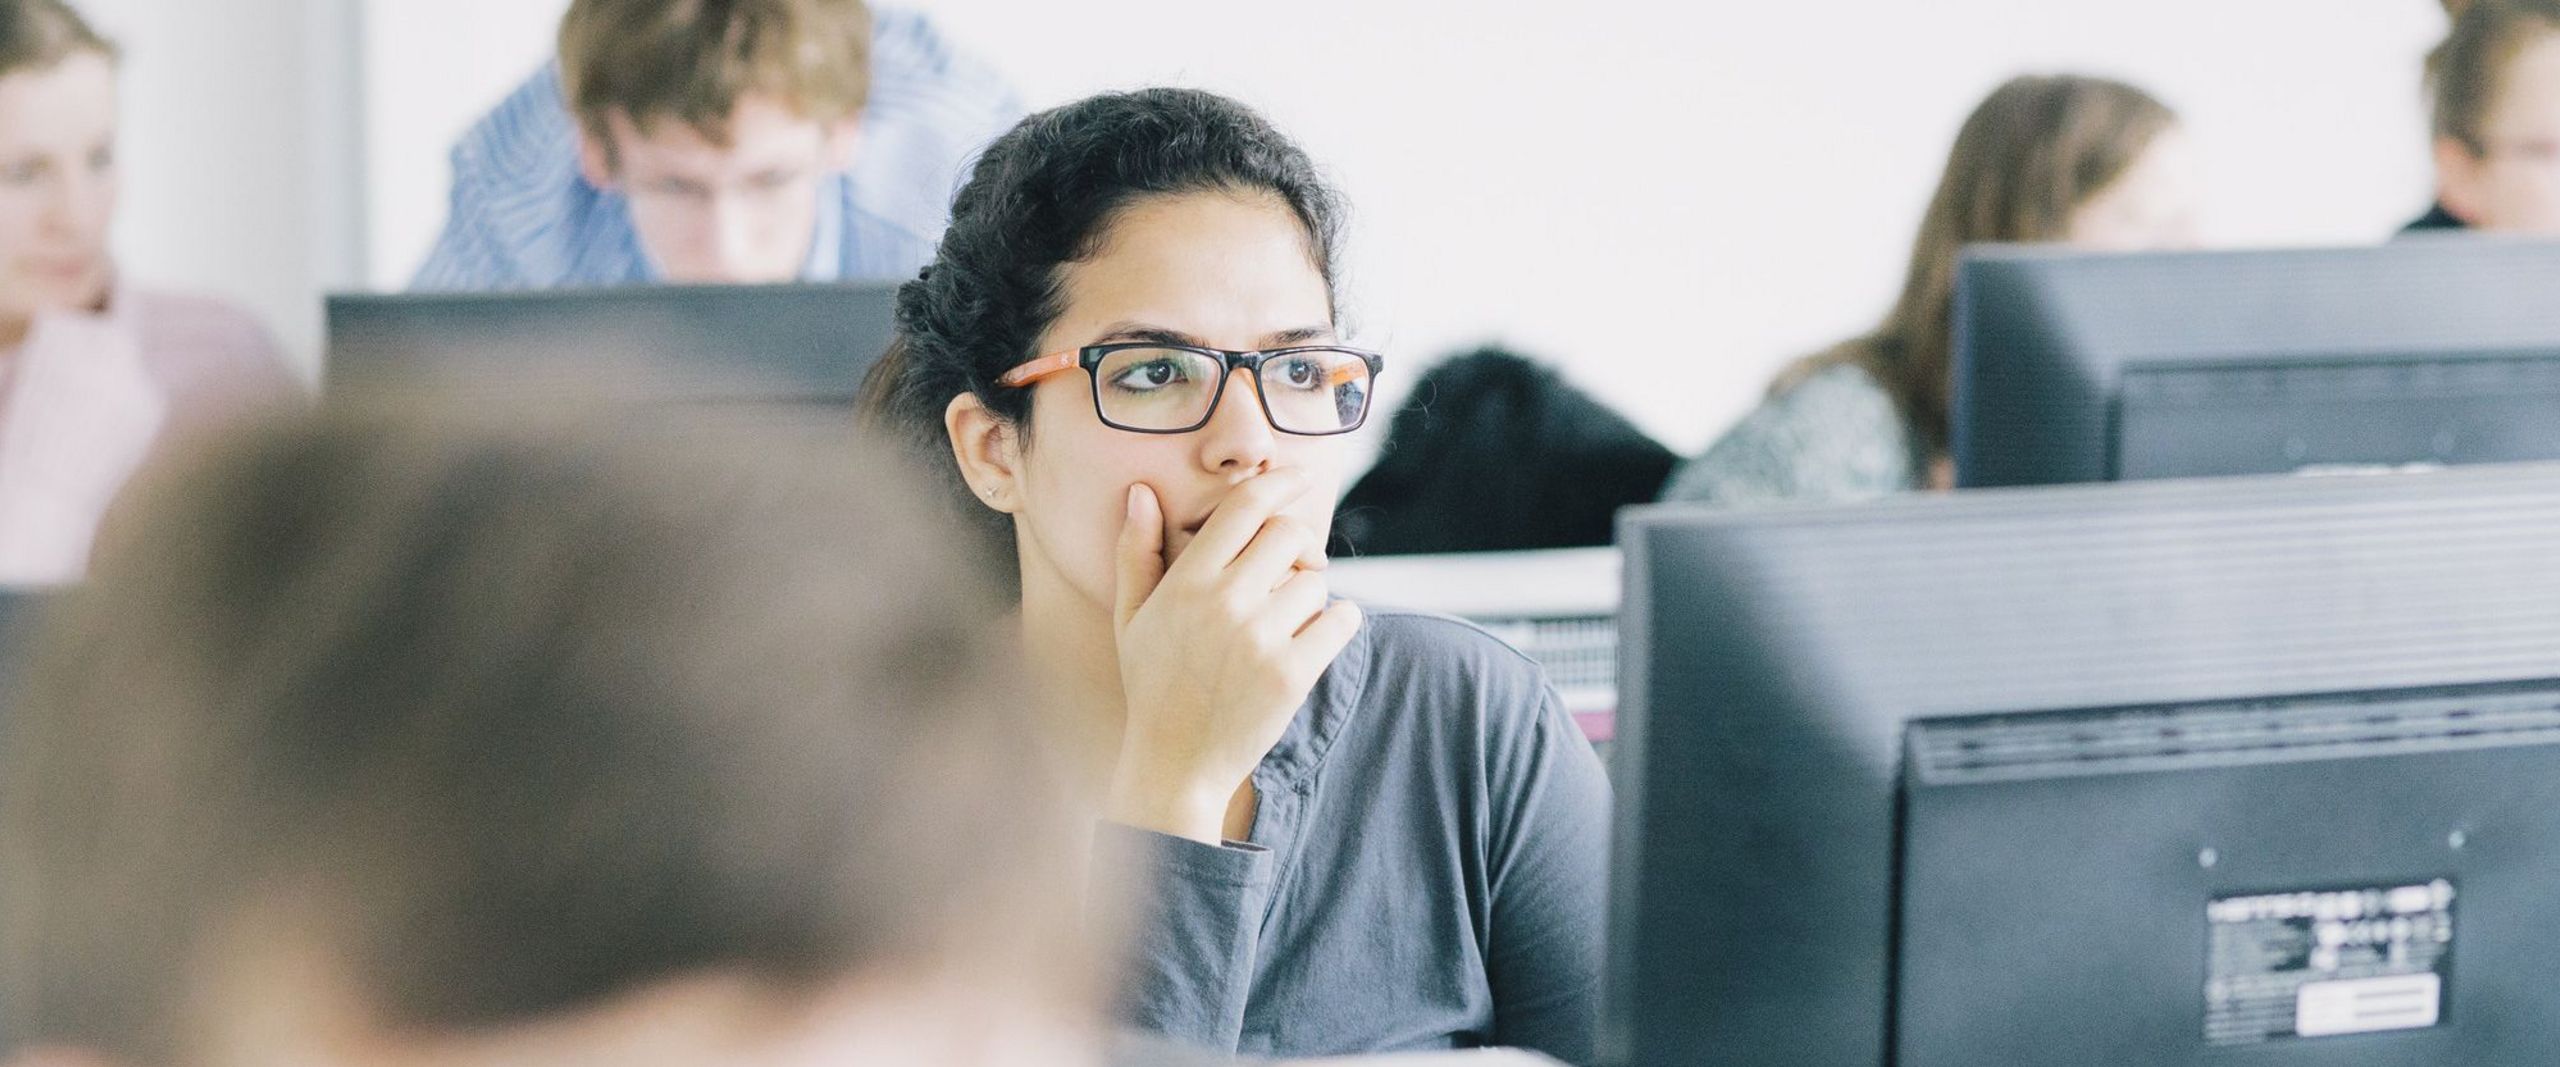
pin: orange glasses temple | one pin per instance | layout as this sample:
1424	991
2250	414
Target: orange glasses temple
1039	368
1059	362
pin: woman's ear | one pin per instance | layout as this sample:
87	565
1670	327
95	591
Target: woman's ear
988	451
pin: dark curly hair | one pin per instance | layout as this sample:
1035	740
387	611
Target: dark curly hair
1043	196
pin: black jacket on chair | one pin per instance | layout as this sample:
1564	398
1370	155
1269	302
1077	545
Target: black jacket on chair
1495	452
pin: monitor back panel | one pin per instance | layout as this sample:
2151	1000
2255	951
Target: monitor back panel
2257	361
2334	881
1771	660
2335	417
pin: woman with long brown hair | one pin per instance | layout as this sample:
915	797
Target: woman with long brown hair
2080	160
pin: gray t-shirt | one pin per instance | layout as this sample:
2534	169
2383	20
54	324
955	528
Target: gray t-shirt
1427	868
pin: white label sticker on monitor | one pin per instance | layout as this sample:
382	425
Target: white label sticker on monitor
2325	962
2368	1005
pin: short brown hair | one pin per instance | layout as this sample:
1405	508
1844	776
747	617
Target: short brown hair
531	719
693	60
36	34
2465	74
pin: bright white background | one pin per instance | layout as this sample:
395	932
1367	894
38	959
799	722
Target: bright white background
1667	200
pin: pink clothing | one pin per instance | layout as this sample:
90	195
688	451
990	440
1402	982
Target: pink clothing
88	395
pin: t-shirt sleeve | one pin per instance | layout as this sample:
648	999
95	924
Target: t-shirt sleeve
1548	876
1194	912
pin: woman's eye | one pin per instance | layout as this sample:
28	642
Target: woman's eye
1154	374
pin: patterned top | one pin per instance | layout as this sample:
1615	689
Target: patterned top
523	216
1835	437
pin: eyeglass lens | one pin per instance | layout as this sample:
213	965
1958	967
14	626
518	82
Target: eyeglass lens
1314	391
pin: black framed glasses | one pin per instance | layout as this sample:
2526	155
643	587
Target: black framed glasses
1150	387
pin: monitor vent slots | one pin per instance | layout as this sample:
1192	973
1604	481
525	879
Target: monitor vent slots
2221	733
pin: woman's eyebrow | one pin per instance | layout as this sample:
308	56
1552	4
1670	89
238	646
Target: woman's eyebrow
1299	336
1154	335
1158	335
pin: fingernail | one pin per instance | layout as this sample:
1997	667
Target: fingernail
1133	500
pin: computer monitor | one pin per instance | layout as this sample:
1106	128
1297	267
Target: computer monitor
754	343
2086	367
2096	774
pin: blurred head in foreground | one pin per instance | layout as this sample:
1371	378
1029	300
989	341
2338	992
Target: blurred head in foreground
391	739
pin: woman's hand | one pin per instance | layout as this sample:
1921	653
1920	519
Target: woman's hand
1217	651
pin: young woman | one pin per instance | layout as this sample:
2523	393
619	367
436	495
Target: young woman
93	370
2083	161
2495	88
1359	830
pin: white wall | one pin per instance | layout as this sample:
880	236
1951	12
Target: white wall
1669	200
239	139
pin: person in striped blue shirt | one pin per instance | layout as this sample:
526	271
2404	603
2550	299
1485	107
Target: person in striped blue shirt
748	142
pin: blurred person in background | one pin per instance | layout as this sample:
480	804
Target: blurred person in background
2494	97
2082	161
413	741
94	370
746	142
